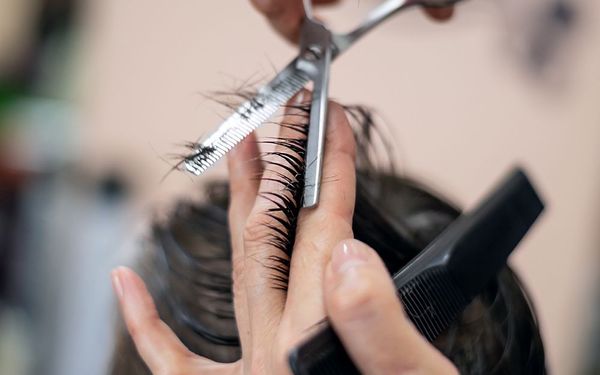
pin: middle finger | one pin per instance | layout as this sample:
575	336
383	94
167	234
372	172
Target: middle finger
320	228
268	234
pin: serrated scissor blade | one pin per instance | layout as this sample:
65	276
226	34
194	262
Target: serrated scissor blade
271	97
249	116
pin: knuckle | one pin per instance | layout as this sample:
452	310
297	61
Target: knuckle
328	220
262	226
255	231
323	230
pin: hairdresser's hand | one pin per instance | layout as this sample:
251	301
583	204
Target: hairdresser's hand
286	15
328	274
366	313
272	311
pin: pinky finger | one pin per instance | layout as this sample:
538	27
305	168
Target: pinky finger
156	343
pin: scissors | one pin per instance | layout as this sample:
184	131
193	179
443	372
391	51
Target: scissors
319	46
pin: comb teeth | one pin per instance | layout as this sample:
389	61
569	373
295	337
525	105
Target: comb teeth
249	116
432	300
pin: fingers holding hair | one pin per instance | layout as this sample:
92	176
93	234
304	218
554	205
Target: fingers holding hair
267	238
320	228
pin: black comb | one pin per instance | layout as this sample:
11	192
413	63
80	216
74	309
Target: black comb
443	279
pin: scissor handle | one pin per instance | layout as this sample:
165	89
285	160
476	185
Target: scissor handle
318	47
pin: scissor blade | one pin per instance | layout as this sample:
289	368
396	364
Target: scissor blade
315	145
249	116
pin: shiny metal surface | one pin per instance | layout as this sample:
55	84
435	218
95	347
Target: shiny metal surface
315	59
249	116
319	47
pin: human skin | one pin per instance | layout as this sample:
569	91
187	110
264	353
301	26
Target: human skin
330	275
286	15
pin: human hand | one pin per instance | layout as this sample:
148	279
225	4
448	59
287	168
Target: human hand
329	274
286	15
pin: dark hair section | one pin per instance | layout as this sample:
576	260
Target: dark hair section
187	262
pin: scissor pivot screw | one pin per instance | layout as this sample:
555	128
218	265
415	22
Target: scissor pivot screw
312	53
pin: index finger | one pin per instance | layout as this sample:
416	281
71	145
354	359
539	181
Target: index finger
323	226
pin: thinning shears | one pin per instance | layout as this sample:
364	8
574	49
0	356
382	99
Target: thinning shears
319	46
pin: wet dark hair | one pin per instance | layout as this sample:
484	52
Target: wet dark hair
187	263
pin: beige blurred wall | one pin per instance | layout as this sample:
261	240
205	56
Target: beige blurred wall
460	108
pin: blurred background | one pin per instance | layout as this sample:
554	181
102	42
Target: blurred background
95	94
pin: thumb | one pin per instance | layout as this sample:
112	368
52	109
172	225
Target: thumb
366	313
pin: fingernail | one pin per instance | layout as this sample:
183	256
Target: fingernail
348	255
116	282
